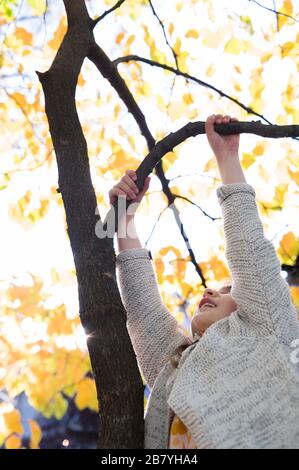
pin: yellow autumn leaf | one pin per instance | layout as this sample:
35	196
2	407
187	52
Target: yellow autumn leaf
287	9
188	98
180	267
179	6
119	37
177	46
168	160
205	269
280	192
59	34
288	248
13	442
161	103
211	165
176	109
237	86
287	48
278	201
219	269
247	160
170	278
295	295
289	97
36	434
236	46
210	70
164	251
155	54
38	6
186	289
145	89
130	40
12	421
119	160
59	323
81	80
182	61
86	395
159	268
159	263
192	33
24	35
256	88
257	84
266	57
263	173
246	20
20	99
259	150
294	175
59	406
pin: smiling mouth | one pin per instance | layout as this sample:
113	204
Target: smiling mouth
208	306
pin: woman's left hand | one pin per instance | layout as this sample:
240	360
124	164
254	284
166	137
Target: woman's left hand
223	146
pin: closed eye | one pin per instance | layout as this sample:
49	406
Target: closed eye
225	289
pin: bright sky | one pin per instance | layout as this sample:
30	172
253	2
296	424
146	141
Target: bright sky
44	247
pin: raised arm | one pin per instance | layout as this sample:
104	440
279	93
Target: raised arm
154	332
261	294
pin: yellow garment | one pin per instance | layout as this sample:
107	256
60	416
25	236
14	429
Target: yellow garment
179	436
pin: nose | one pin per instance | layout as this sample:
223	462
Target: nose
208	292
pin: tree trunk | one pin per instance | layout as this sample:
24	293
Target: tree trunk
118	381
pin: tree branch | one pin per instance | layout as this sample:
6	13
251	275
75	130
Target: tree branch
109	70
100	18
193	129
153	63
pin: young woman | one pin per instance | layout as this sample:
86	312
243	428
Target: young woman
233	385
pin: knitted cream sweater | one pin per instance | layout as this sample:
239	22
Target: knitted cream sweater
236	387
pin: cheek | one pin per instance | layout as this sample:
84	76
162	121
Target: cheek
232	304
228	306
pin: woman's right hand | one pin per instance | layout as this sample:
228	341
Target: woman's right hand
127	188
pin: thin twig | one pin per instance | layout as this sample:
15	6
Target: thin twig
45	23
155	224
100	18
164	33
153	63
198	207
278	13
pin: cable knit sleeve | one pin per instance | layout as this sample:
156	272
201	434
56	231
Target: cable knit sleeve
154	332
262	295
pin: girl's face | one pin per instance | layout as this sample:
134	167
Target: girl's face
206	315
